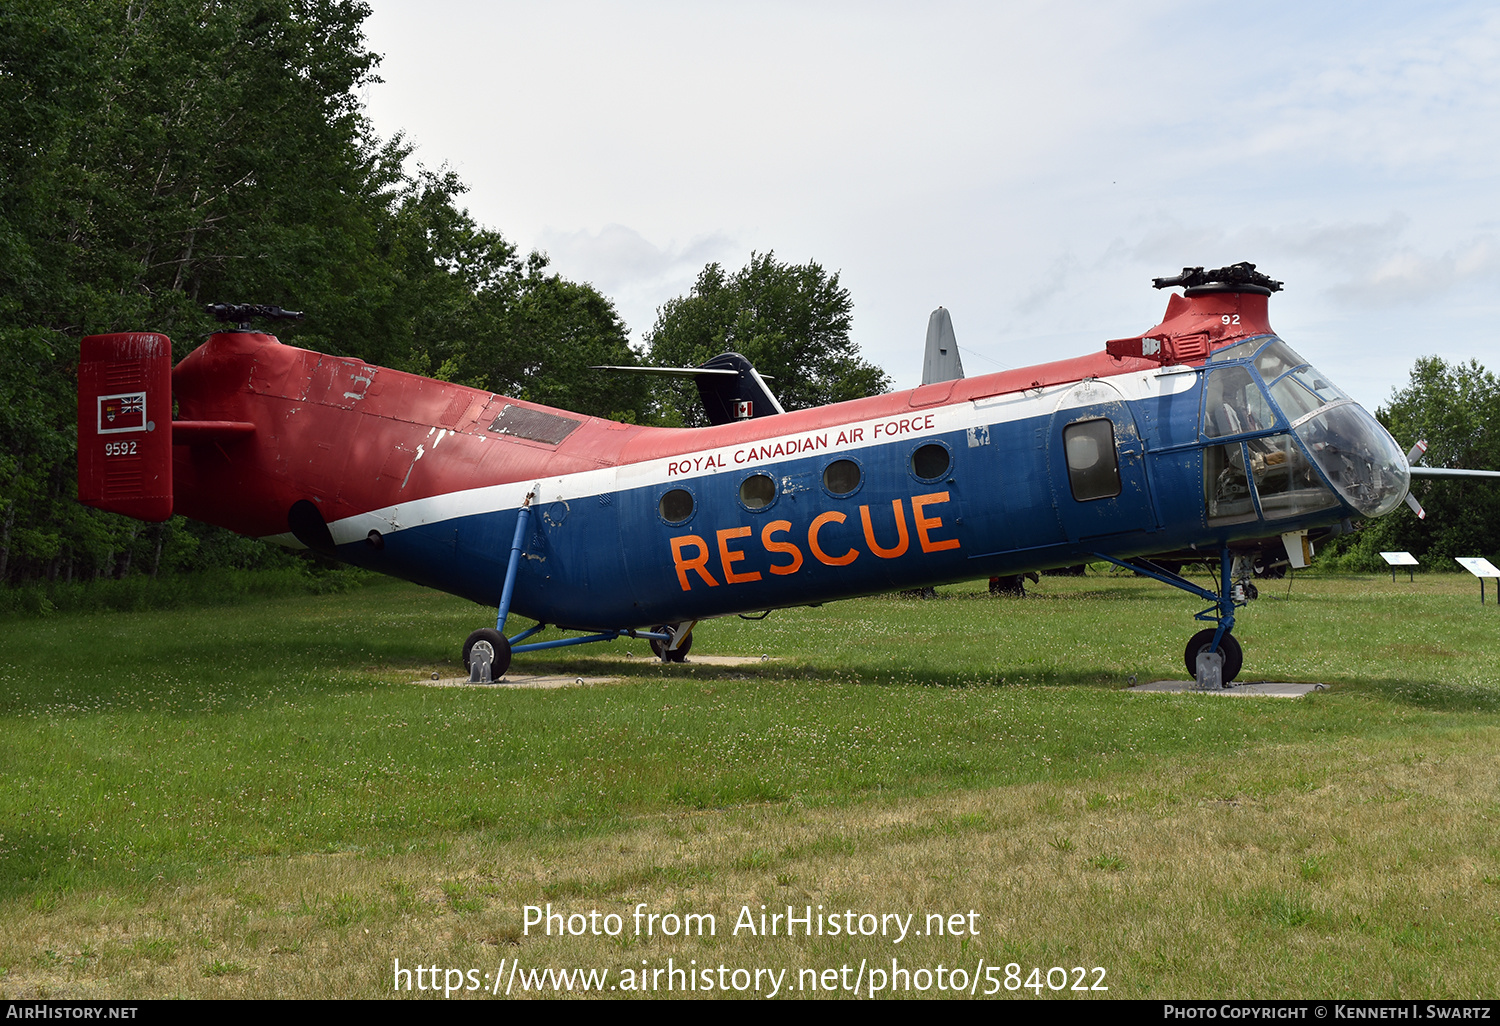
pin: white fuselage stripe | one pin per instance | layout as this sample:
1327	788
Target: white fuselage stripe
908	425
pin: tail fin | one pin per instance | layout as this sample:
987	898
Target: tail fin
734	391
125	424
729	386
941	361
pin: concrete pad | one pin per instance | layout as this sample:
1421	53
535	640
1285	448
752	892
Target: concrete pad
515	679
712	660
1265	688
520	680
701	660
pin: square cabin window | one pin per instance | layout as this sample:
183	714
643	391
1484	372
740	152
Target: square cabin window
1093	464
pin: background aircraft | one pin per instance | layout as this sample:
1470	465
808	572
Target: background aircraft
1205	436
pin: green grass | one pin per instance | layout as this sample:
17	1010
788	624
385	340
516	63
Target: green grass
216	588
151	754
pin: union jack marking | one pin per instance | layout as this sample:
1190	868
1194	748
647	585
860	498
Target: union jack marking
123	412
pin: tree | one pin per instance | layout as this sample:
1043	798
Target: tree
555	334
156	155
1456	408
791	321
485	318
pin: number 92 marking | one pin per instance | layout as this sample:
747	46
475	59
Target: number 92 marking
119	448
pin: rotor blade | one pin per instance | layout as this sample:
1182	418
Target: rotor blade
1417	452
1445	472
687	372
1416	507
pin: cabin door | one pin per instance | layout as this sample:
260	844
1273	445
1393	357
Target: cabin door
1096	459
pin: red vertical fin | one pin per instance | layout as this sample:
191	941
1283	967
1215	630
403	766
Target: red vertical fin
125	424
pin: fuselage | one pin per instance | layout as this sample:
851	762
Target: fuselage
1216	434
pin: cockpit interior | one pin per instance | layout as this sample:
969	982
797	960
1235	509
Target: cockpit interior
1282	441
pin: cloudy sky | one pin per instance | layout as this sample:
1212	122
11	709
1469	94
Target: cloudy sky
1030	166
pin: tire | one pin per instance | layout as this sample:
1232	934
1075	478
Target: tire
1234	657
660	647
498	644
1010	584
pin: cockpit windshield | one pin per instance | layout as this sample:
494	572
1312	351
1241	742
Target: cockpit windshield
1233	404
1278	364
1350	448
1358	456
1276	359
1238	351
1295	400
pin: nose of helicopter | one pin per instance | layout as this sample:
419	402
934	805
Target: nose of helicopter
1358	456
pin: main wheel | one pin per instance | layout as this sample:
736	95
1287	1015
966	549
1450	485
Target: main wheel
499	648
660	647
1010	584
1229	648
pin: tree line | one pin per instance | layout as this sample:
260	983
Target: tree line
1455	408
159	155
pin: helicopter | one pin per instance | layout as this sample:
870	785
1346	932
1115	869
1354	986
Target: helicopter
1205	437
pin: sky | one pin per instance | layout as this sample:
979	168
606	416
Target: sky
1029	166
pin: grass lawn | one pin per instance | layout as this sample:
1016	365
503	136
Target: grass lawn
257	801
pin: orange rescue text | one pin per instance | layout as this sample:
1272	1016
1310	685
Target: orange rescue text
692	555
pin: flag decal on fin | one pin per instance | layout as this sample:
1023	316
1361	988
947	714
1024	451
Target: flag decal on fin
123	412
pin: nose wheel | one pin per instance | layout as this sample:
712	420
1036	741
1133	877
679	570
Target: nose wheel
486	655
1229	649
1221	612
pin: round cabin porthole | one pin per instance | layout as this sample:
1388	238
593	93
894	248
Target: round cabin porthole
931	461
676	506
757	491
841	477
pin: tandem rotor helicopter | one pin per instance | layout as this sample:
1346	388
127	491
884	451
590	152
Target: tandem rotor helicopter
1205	437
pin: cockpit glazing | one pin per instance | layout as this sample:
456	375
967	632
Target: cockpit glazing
1289	441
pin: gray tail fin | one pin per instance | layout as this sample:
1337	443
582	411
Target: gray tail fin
941	362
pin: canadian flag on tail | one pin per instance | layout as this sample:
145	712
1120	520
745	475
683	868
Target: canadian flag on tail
125	424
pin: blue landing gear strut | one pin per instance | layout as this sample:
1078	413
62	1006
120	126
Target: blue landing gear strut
487	651
1220	612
